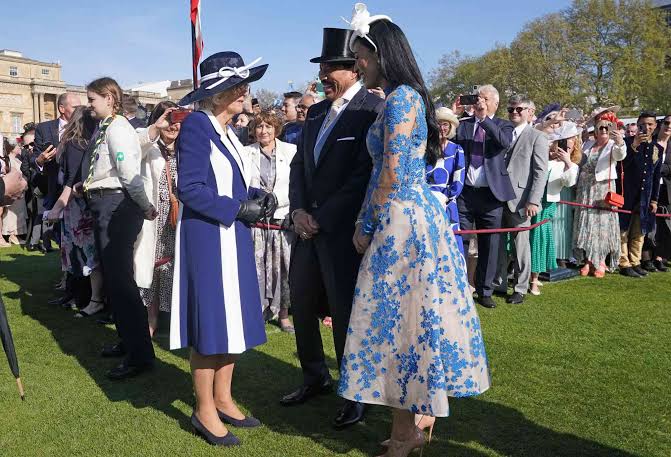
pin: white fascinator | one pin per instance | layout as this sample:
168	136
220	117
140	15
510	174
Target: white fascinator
360	23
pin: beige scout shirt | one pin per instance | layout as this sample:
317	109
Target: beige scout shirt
118	163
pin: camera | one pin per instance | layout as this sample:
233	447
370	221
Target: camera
177	116
468	99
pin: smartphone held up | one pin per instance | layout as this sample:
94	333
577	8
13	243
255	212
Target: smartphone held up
178	116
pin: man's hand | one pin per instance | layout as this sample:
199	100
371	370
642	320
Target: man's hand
305	225
481	108
151	213
639	139
653	207
457	107
15	185
361	240
531	209
46	156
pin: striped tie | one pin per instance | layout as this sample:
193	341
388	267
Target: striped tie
94	151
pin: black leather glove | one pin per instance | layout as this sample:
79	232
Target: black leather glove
270	205
251	211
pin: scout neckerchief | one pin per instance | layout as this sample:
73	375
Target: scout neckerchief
94	152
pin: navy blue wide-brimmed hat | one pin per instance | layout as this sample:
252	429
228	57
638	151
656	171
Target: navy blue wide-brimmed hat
223	71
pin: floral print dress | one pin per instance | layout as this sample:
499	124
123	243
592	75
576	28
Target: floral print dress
414	337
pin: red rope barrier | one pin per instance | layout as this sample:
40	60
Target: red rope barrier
602	208
458	232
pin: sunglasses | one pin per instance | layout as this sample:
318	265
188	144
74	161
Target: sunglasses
603	128
666	123
519	109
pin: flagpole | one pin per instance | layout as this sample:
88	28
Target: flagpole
194	51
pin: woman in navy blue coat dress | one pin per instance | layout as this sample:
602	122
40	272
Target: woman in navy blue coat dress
216	308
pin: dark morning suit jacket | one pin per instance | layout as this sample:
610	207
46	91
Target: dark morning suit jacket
47	132
137	123
332	191
499	135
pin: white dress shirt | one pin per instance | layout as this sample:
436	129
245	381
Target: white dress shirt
347	96
518	131
477	177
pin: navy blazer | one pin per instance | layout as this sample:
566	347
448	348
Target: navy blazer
498	139
47	132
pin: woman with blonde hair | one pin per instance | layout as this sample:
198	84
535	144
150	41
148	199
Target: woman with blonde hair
216	309
446	177
270	161
114	190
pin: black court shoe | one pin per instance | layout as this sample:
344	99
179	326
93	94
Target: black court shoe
247	422
227	440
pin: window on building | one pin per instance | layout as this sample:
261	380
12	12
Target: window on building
17	123
13	71
45	72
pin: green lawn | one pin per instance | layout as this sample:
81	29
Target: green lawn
582	370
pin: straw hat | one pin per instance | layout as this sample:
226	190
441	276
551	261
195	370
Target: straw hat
447	115
601	110
567	130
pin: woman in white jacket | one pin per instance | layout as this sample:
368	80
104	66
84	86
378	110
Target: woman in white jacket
156	243
269	160
596	233
562	172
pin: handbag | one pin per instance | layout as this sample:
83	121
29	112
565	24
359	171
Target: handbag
613	198
174	203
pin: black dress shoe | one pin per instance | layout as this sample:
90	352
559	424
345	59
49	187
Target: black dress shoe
629	272
125	371
105	320
31	247
304	393
61	301
647	265
640	270
228	439
351	413
114	350
660	266
247	422
515	299
487	302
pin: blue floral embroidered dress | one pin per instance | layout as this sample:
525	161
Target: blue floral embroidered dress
414	337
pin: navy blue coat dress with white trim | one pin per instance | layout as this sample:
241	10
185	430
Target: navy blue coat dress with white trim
216	308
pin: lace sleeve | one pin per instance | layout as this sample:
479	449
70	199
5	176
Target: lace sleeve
400	113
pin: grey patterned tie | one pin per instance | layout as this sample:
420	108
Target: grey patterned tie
330	118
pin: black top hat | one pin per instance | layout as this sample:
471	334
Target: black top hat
220	72
335	47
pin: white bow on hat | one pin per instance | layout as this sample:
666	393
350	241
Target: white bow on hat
360	23
225	73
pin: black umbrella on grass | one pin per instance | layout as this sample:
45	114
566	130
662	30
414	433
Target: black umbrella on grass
8	345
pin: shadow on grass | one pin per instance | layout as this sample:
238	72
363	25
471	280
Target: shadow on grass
262	379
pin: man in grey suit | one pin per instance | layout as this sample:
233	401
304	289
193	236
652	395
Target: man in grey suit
527	164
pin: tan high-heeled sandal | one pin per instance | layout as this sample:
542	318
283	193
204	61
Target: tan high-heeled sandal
398	448
422	423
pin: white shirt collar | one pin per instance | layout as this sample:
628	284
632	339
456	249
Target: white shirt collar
352	91
519	129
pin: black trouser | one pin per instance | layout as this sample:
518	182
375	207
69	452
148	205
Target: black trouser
118	223
314	293
478	207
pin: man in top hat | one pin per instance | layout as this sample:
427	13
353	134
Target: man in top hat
328	180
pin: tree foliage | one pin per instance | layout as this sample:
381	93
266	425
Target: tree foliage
596	52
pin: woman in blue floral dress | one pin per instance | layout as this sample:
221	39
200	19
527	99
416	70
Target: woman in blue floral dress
414	337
